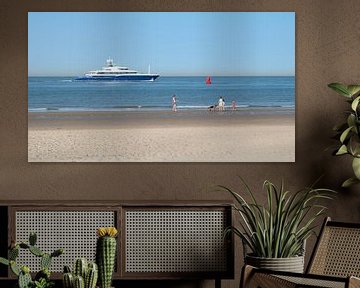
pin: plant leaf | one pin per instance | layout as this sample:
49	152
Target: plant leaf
14	268
356	167
340	88
345	134
342	150
355	103
354	144
4	261
349	182
351	119
353	89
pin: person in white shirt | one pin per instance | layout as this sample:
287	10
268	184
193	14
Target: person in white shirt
174	103
221	103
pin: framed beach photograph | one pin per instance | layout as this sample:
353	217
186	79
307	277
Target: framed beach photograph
161	86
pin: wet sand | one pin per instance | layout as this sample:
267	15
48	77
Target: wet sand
162	136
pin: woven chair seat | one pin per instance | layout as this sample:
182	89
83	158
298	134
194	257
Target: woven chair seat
314	282
335	262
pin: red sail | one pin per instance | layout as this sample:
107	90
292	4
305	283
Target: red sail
208	80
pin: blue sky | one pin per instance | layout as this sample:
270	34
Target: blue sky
173	43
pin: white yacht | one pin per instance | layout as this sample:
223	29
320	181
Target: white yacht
113	72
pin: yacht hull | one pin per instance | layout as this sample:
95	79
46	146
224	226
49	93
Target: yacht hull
143	77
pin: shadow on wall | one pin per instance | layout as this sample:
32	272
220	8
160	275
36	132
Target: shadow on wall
317	146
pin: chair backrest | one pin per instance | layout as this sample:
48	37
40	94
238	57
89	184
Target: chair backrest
337	251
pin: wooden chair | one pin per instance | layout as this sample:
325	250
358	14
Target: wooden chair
334	263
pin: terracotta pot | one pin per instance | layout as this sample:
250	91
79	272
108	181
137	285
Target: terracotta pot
291	264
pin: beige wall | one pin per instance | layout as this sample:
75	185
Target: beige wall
327	50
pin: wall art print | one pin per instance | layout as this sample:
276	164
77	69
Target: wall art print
161	87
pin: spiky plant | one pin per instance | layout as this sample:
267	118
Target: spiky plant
43	283
279	229
106	254
42	278
84	274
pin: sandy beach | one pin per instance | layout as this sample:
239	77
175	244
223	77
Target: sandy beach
161	136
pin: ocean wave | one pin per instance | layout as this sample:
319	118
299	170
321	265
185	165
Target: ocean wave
37	109
266	106
127	107
192	107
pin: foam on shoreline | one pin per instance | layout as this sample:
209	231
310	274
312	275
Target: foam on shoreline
157	108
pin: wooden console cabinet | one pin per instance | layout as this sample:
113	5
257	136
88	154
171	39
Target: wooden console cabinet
157	240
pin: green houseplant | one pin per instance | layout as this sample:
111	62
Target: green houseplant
348	132
42	278
279	229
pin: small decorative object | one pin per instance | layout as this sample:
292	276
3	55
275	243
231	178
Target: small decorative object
42	278
85	275
349	131
276	233
106	254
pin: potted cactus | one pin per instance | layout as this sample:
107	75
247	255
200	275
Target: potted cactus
85	275
42	278
106	254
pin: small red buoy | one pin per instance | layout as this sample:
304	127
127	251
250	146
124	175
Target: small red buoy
208	80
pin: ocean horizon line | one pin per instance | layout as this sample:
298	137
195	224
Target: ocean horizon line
167	76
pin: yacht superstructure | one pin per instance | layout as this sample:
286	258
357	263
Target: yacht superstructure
113	72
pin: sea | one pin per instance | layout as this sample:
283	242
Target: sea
66	94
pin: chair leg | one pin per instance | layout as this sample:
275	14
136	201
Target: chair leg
246	274
251	279
217	283
354	282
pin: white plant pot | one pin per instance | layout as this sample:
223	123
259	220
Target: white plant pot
291	264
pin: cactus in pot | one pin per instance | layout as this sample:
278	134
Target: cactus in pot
106	254
79	282
81	266
25	279
68	278
91	276
85	275
42	278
